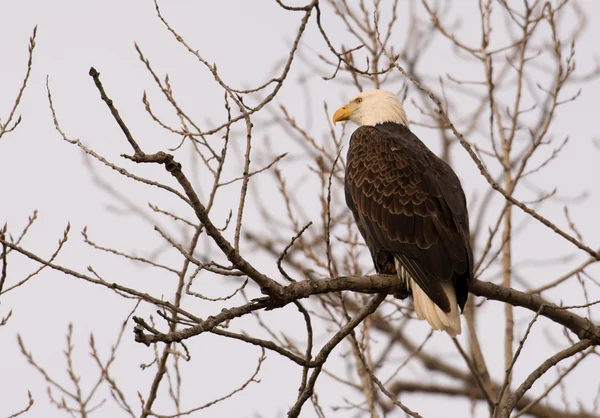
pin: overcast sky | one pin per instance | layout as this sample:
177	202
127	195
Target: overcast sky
247	40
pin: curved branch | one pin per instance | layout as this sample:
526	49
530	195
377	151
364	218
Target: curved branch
382	283
537	373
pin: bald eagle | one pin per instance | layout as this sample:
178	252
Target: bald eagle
409	207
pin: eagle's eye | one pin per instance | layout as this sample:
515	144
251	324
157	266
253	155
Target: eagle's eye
358	100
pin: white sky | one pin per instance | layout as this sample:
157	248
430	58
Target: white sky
247	40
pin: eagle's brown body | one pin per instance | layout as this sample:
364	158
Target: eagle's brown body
411	210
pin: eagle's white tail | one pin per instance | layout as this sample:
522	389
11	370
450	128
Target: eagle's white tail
426	309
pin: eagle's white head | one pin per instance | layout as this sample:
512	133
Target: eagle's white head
372	107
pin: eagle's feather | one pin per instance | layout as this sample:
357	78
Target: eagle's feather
411	210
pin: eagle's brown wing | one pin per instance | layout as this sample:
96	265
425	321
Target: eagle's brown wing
409	206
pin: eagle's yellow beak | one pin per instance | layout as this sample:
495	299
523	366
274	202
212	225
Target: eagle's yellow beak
344	112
